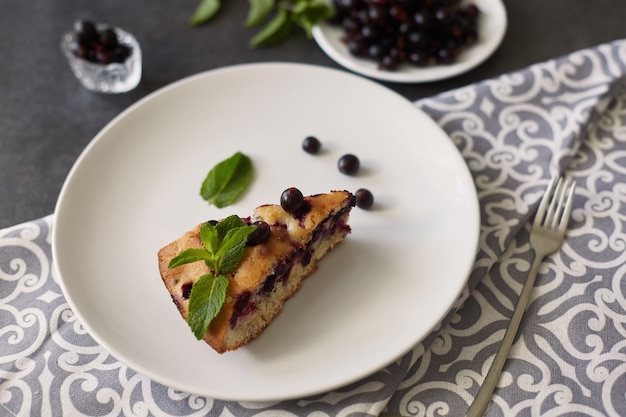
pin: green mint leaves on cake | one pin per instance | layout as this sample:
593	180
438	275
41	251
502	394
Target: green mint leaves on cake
224	244
227	180
205	302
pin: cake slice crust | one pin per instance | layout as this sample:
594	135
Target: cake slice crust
269	273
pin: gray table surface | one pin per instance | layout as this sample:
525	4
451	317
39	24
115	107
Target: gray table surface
47	118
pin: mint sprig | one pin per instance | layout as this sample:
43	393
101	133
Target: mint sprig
227	180
205	11
258	10
277	17
275	31
223	249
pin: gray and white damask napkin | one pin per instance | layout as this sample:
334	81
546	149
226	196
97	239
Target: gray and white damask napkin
515	132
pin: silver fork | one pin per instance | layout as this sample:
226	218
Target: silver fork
546	236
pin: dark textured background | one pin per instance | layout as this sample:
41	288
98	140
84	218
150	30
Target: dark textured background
47	118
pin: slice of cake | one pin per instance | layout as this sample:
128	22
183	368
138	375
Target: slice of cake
270	272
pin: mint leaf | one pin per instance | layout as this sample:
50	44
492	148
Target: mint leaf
231	258
227	180
218	177
209	236
275	31
230	222
234	237
205	12
307	14
190	255
231	249
258	11
205	302
304	13
237	185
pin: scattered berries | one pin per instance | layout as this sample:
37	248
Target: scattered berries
348	164
311	145
364	198
291	200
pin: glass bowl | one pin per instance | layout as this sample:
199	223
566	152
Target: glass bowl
110	78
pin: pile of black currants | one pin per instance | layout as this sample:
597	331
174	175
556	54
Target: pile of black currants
419	32
98	44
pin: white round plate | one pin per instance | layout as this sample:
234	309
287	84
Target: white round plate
136	187
492	26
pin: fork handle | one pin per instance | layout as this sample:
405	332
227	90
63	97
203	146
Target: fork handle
482	399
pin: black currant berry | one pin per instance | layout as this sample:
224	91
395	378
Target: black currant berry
291	200
121	52
108	39
260	234
86	31
98	45
104	56
348	164
186	290
364	198
311	145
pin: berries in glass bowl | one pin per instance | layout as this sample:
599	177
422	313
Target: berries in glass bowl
104	58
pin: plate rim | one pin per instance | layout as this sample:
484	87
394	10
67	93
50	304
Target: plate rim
120	356
414	74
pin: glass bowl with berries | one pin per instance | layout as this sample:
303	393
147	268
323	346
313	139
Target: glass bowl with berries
104	58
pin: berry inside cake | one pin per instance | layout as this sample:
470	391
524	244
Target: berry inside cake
301	231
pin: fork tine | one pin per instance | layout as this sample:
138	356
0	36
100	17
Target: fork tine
556	203
543	206
559	201
568	203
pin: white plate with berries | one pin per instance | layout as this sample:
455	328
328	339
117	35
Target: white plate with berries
412	42
135	188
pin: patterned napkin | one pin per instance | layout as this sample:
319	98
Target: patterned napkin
514	132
